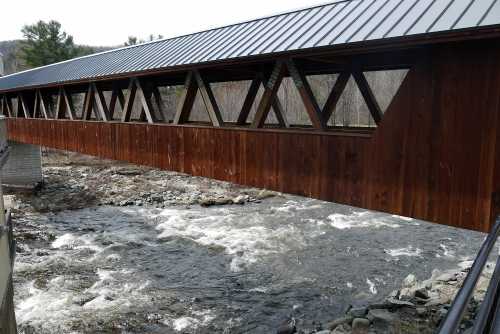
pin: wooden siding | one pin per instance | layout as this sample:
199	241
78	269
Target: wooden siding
434	156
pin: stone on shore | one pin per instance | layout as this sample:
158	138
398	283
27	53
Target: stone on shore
360	326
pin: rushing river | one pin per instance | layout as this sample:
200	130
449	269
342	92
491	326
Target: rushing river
231	269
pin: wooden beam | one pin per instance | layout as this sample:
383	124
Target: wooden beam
147	106
209	100
5	107
35	105
368	96
88	104
70	109
279	112
249	100
49	104
270	90
8	105
129	101
335	94
100	102
23	105
42	105
160	105
64	105
186	100
307	96
2	106
116	95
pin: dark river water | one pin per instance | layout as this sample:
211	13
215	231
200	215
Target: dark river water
231	269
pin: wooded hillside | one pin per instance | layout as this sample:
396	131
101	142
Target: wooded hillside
13	62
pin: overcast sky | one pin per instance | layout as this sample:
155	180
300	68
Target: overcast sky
110	22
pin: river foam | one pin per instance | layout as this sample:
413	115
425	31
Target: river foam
204	270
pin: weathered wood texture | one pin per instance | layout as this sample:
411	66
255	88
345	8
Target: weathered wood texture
434	156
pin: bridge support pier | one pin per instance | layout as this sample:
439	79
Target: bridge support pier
7	250
24	166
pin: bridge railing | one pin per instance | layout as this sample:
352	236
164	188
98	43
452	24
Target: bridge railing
488	317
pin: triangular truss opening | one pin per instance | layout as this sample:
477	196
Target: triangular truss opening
351	109
168	99
139	105
6	107
230	97
385	85
355	98
321	86
197	89
255	91
78	102
199	112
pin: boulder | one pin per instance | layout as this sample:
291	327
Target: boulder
340	321
360	326
342	329
357	312
409	281
422	293
384	321
287	327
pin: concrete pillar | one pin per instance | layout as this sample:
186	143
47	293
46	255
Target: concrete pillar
24	166
7	250
1	65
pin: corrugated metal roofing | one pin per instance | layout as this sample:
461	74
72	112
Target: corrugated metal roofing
331	24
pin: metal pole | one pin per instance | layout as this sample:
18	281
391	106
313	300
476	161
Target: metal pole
452	321
484	318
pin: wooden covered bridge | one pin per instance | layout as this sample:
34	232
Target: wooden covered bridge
431	152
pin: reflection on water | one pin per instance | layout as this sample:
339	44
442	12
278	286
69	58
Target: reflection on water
232	269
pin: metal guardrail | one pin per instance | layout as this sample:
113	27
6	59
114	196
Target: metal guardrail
12	240
488	318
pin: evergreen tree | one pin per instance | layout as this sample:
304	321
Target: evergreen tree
45	43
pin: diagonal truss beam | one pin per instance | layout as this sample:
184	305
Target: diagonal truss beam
368	95
23	106
145	98
100	102
186	100
95	102
40	106
3	108
116	96
271	88
135	89
313	109
35	105
129	101
88	105
160	105
209	100
8	106
64	105
335	94
250	99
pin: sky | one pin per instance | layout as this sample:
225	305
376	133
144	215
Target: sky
110	22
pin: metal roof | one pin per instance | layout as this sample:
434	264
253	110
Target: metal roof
332	24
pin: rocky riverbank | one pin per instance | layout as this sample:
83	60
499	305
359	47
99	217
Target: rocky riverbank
418	307
70	187
75	182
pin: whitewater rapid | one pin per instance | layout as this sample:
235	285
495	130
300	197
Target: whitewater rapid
230	269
